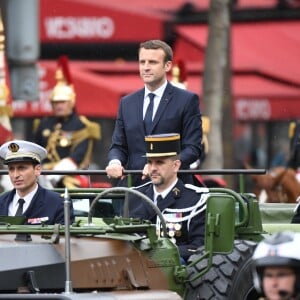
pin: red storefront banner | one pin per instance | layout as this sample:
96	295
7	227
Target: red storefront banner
87	21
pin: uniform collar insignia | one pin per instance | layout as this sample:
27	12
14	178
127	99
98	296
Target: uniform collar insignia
176	192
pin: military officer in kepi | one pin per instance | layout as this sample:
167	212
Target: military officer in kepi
182	205
68	138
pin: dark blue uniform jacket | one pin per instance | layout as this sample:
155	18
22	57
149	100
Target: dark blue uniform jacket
45	203
188	239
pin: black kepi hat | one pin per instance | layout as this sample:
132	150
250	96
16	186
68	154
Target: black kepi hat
160	145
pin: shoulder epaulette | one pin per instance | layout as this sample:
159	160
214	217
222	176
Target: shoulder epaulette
93	128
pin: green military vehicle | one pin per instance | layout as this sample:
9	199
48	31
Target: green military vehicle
123	258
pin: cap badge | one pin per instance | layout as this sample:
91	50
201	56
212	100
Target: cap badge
273	252
13	147
151	146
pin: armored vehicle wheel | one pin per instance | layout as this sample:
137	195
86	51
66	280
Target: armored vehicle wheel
229	278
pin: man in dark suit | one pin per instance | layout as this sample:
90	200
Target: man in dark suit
183	206
173	110
28	198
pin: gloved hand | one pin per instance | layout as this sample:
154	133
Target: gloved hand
65	164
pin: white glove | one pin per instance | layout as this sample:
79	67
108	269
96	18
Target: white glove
65	164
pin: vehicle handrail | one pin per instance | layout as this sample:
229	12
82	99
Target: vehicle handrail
137	172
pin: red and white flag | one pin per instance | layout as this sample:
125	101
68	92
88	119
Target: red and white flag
6	133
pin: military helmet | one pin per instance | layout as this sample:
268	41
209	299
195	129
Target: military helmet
279	250
63	90
179	76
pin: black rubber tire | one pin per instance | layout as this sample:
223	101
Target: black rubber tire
229	278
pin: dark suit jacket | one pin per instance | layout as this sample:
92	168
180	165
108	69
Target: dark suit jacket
180	197
178	112
44	203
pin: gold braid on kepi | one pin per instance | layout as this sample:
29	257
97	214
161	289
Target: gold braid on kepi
64	89
162	145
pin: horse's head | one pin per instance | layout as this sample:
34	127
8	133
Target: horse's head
270	183
290	185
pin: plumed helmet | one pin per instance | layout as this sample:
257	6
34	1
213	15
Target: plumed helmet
279	250
179	77
63	90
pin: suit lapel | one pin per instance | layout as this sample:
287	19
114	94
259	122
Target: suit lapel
139	105
139	108
35	203
5	205
164	102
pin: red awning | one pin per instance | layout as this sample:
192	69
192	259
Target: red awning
265	63
99	87
92	21
95	21
267	48
258	98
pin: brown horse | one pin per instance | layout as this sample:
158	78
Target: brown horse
279	185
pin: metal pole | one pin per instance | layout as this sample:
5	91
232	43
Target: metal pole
67	203
139	172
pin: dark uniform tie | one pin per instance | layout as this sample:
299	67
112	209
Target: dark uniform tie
19	211
159	199
149	114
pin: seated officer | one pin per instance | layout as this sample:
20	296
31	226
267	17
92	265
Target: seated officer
68	137
28	198
183	206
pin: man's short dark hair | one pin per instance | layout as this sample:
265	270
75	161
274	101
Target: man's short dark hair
158	44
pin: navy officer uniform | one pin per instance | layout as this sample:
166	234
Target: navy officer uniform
41	205
46	206
183	205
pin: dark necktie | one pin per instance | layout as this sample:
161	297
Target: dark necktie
149	114
159	199
20	207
